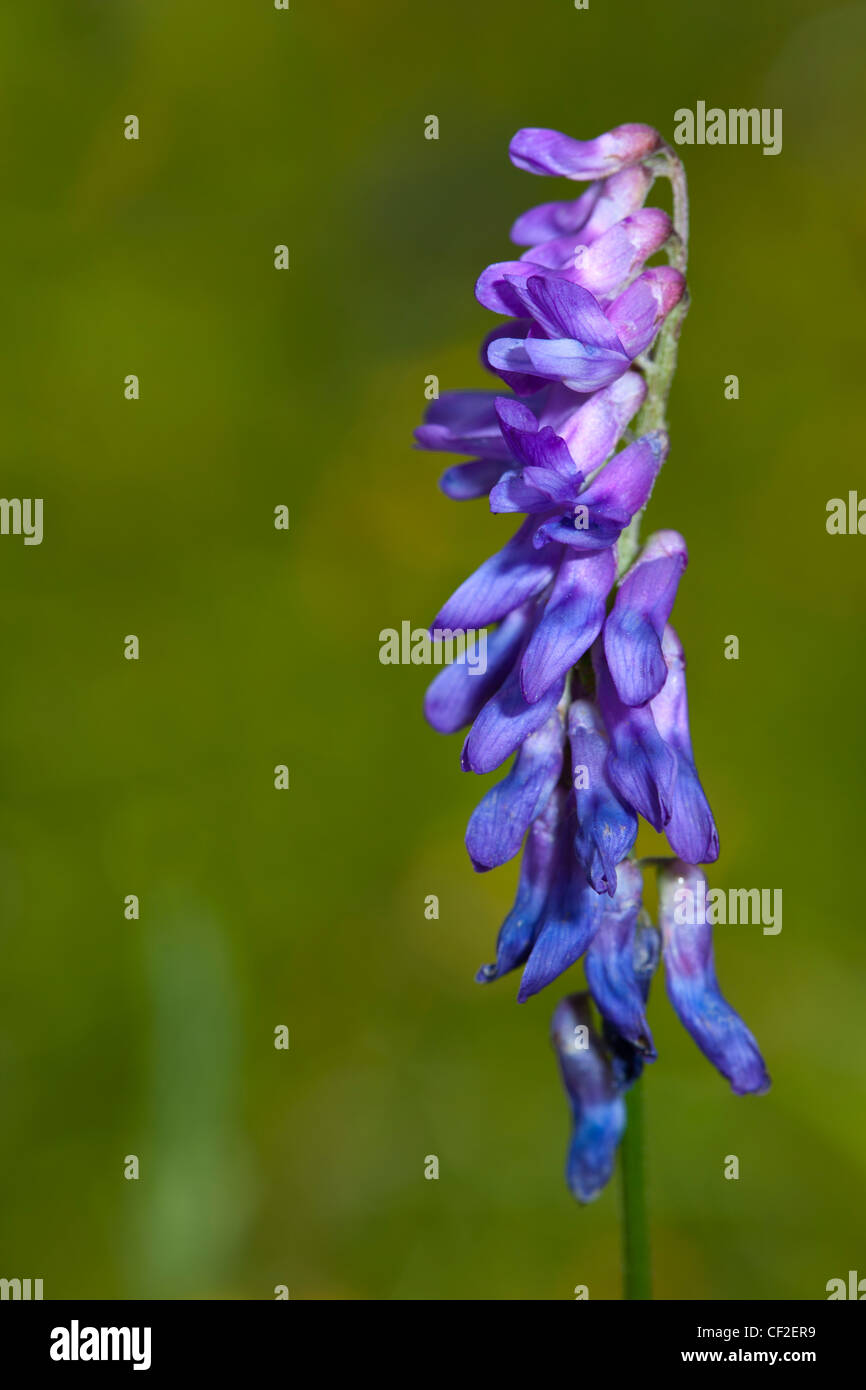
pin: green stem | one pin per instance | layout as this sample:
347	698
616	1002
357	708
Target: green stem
637	1277
659	368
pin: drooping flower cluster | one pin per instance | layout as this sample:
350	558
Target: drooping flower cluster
585	677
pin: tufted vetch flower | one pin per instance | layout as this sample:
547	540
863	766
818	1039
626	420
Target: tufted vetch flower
585	684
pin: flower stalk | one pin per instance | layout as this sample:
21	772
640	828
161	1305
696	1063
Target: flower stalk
637	1267
585	679
659	366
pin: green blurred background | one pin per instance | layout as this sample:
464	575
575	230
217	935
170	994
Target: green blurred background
258	647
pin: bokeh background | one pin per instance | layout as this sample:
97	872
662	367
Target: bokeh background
259	647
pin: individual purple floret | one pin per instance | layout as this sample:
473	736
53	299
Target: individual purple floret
585	676
595	1096
687	947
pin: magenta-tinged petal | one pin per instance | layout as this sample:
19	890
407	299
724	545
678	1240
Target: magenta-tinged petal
640	765
633	631
500	821
459	691
559	408
593	431
571	622
620	196
615	256
606	827
549	152
691	830
558	254
550	220
638	312
504	723
610	963
508	579
693	988
624	485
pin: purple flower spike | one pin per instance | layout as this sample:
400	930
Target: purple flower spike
597	1108
500	821
613	981
536	875
548	152
691	830
606	827
633	632
692	986
579	356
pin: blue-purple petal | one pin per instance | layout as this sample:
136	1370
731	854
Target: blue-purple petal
500	820
571	915
459	692
694	991
624	485
615	986
572	620
691	829
606	826
597	1107
633	631
640	765
537	869
504	723
515	574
